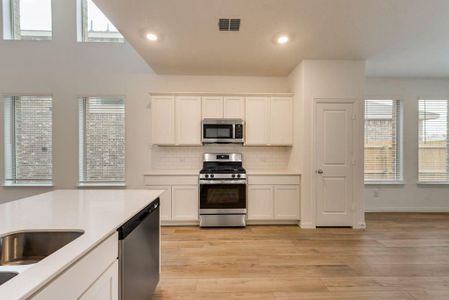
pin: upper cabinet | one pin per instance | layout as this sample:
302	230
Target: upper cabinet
257	120
212	107
223	107
234	107
188	120
176	120
163	120
269	121
281	121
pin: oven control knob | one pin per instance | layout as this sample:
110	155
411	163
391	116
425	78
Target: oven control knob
211	175
238	175
233	175
207	176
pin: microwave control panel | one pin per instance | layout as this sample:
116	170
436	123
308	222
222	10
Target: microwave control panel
238	131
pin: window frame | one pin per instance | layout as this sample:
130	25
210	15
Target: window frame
399	142
82	100
435	98
12	127
11	23
82	21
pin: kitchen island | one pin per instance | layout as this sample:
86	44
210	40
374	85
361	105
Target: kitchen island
96	213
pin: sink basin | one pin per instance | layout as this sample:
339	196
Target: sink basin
29	247
5	276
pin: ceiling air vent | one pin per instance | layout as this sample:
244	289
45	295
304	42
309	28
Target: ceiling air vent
229	24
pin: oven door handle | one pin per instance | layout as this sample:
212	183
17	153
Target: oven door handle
222	182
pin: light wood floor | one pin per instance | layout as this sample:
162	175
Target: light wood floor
399	256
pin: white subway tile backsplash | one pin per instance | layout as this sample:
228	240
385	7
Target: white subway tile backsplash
188	158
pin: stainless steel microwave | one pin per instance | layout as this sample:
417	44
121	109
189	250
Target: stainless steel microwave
222	131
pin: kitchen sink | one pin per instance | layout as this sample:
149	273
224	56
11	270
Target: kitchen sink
28	247
5	276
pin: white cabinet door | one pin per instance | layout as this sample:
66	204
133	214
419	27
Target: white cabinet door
81	277
185	203
234	107
257	120
188	120
105	287
163	120
260	202
165	198
281	121
212	107
286	202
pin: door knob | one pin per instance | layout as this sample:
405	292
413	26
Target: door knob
319	171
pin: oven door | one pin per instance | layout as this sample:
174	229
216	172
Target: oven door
218	133
223	198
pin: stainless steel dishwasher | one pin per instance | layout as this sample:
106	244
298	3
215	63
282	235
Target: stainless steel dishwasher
139	240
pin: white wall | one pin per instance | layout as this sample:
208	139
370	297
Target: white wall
410	196
67	69
311	80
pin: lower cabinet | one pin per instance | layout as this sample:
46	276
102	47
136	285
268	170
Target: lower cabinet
178	203
105	287
273	202
286	205
260	202
185	203
93	277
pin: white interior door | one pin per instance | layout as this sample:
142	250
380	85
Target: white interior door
334	163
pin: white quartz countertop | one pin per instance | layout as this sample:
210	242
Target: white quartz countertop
96	212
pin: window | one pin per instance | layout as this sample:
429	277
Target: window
93	26
28	140
433	145
27	20
102	141
382	141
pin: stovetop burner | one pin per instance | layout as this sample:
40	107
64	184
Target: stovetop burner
220	163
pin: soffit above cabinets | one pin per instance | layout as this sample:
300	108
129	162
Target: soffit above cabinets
395	37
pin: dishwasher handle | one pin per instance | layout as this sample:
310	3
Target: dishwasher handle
135	221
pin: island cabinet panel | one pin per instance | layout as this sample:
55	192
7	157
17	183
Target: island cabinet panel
105	287
185	203
260	202
188	120
163	120
234	107
88	277
281	121
212	107
257	120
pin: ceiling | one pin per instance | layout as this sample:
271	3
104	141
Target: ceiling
396	37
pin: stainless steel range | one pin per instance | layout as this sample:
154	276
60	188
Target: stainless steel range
222	184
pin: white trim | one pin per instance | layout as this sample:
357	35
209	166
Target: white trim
87	185
432	182
6	185
400	182
443	209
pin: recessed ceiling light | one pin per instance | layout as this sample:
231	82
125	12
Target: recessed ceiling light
152	36
282	39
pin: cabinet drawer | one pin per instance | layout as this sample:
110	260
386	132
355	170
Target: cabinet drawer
278	180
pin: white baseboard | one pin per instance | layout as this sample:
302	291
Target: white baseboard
443	209
307	225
